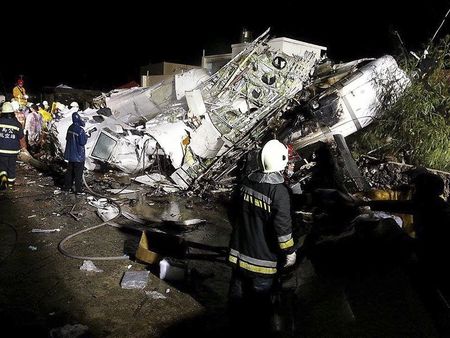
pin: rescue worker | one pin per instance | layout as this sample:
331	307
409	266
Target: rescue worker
75	154
74	107
33	129
20	94
20	115
11	141
261	241
45	105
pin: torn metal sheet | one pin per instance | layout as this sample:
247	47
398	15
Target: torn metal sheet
156	180
108	212
195	103
135	104
170	137
206	141
121	191
204	125
188	81
351	104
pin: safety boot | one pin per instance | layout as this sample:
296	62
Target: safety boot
3	182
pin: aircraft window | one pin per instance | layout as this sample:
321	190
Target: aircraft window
256	93
279	62
104	147
268	79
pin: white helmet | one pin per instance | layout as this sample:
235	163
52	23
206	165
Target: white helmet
7	108
274	156
45	104
74	104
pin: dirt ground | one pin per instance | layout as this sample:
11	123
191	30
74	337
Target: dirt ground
43	290
44	293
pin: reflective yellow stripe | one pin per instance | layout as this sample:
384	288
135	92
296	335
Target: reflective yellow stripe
232	259
3	173
8	126
256	202
252	267
258	269
288	244
9	151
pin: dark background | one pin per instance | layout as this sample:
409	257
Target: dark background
101	45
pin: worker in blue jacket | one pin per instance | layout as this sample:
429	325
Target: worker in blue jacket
76	139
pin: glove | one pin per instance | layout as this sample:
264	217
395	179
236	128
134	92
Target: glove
290	260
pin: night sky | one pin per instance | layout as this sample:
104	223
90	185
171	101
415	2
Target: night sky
86	47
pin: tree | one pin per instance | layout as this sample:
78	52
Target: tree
416	127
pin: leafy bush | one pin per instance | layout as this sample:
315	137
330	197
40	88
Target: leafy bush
416	128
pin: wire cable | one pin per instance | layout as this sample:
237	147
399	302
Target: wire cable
94	258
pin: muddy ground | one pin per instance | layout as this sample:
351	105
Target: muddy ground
44	293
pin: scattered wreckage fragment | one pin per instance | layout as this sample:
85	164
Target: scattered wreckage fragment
203	126
224	115
350	104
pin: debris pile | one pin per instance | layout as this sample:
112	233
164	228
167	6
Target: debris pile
195	128
387	175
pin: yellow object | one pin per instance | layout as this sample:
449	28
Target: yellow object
20	94
53	108
46	116
386	195
144	254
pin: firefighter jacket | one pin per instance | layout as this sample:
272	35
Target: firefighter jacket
19	94
262	226
11	133
75	140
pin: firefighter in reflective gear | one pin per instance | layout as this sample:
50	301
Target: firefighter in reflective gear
11	141
20	94
261	241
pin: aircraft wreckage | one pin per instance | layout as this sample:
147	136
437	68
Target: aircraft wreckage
203	124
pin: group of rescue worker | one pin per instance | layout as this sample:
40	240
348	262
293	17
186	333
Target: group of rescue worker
24	127
262	241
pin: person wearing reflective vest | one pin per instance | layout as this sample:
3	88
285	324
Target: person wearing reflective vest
261	242
11	141
20	93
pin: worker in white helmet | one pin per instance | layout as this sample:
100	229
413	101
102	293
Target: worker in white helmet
261	241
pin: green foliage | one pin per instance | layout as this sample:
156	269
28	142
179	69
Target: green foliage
417	126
